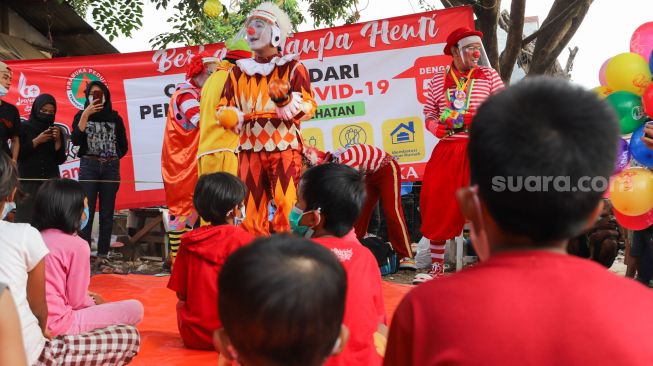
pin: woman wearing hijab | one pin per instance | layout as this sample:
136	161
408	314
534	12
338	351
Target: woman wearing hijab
42	150
99	132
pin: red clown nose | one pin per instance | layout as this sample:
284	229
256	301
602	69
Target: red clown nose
251	31
477	54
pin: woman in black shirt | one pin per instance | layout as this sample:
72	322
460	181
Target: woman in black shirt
99	132
42	150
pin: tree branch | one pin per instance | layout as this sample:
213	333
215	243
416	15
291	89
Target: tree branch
514	40
551	43
559	18
570	61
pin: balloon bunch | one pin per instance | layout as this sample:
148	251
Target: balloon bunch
626	85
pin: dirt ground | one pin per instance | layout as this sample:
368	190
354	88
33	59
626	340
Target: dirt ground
406	277
154	266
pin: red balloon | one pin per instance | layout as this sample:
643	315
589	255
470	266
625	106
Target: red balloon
640	222
647	100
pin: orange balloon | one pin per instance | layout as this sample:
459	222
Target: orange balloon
631	191
228	118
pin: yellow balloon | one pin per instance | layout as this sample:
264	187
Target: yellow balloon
602	91
212	8
629	72
631	191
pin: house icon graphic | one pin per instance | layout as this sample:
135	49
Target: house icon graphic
403	133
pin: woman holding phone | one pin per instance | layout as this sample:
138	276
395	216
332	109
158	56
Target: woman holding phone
99	132
42	150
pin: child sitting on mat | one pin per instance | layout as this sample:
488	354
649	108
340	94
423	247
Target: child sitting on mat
60	212
218	199
22	268
330	197
282	302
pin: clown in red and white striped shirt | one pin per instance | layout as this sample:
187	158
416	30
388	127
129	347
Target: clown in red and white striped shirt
453	98
366	158
382	181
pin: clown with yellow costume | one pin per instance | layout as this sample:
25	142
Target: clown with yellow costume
217	146
271	95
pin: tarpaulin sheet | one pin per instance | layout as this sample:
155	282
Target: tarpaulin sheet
160	341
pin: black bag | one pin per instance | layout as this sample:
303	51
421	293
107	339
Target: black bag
386	257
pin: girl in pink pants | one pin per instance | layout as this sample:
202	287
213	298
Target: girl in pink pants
60	212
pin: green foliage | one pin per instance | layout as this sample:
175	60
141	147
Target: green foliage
192	27
327	12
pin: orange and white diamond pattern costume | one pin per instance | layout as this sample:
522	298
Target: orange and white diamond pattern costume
270	146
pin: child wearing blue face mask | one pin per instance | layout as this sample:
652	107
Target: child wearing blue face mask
329	201
218	199
62	211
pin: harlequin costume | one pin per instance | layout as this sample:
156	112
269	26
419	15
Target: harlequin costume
180	144
270	140
452	100
217	145
382	181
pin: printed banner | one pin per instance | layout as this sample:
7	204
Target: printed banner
369	81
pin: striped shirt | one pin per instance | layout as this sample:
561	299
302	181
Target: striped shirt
190	107
366	158
436	100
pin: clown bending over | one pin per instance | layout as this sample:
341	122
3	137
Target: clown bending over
382	181
180	141
271	94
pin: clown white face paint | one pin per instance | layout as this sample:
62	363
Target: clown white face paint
259	35
470	54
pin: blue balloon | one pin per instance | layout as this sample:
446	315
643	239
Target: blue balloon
650	62
640	152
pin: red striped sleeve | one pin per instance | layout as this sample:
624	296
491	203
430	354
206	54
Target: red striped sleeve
190	107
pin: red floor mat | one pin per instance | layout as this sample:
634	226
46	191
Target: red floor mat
160	342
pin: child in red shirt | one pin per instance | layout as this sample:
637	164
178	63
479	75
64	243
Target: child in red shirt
330	198
528	302
218	199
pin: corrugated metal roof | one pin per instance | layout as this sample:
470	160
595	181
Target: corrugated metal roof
71	35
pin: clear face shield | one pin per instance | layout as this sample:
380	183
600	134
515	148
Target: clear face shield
257	33
472	53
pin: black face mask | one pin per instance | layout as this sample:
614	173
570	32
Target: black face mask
45	117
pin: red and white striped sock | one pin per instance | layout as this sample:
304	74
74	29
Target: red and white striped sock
437	256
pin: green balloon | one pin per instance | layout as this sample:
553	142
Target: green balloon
629	110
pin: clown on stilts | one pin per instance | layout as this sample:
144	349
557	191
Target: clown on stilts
453	98
269	96
180	144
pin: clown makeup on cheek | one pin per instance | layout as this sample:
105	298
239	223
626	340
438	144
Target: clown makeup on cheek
471	55
259	34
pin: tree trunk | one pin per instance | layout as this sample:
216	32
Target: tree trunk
556	31
487	12
513	43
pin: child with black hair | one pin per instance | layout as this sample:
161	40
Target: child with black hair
22	268
282	301
330	198
60	213
218	199
528	302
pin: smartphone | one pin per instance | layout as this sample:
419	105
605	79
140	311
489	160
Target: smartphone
97	96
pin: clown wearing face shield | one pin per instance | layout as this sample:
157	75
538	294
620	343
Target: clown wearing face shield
271	95
452	100
180	143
